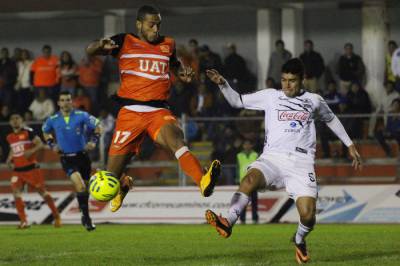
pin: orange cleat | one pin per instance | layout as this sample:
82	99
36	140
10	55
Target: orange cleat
220	223
301	252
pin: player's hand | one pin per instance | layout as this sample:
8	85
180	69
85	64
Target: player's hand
186	74
357	163
90	146
215	77
107	44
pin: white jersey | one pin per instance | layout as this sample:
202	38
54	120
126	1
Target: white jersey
289	122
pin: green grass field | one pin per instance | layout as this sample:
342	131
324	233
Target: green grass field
197	245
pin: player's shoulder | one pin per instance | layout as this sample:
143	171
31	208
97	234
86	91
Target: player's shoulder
27	129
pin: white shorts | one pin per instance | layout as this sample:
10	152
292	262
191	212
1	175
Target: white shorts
290	170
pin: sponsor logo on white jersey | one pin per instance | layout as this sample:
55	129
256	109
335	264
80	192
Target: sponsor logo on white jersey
293	115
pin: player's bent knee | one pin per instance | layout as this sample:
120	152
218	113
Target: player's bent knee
253	181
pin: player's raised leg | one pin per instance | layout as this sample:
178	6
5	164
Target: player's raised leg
306	207
253	181
170	136
116	164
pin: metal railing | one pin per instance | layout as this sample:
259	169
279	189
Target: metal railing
205	123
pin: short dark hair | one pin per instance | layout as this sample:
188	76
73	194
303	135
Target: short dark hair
16	113
397	100
279	42
309	41
348	44
46	46
144	10
294	66
64	93
194	41
391	42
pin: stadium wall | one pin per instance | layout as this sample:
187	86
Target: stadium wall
329	28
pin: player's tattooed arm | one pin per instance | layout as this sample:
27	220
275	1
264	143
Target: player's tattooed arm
101	47
37	145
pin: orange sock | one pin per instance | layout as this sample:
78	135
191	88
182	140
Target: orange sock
191	166
20	206
49	200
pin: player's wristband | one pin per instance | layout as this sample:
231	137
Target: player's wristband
95	138
51	143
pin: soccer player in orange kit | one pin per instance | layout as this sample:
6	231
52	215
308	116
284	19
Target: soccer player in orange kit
24	144
145	61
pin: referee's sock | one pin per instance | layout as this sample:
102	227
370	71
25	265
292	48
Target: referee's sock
83	201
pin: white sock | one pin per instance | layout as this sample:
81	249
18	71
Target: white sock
302	232
238	204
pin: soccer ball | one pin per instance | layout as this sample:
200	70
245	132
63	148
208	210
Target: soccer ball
103	186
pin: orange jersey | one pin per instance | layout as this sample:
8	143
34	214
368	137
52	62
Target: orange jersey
19	143
144	67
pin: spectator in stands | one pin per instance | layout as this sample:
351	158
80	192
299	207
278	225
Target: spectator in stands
42	106
270	83
17	56
201	103
395	64
107	122
383	107
237	72
351	68
81	101
44	72
6	95
8	69
333	99
279	57
194	57
244	159
111	75
392	129
28	116
23	86
359	103
68	73
90	70
209	60
179	98
314	66
4	113
389	76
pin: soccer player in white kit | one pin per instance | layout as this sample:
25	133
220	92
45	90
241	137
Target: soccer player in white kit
289	149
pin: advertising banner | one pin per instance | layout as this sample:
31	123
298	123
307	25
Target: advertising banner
355	204
36	208
182	205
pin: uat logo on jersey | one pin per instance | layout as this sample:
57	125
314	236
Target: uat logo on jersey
164	48
293	115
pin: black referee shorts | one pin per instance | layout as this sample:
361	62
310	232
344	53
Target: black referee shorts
77	162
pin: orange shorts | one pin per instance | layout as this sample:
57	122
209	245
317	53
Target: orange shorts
131	127
32	177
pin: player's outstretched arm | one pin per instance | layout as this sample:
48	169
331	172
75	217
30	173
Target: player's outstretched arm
230	94
336	126
101	47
